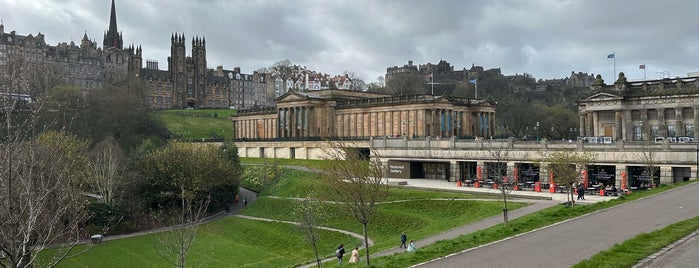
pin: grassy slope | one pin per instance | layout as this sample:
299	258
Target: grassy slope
240	242
196	124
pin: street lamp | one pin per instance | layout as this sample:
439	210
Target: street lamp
537	130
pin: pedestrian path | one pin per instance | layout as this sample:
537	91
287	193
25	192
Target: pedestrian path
452	186
538	201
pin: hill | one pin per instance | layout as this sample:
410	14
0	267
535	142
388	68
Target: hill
197	124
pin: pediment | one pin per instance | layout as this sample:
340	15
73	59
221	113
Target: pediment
603	97
292	96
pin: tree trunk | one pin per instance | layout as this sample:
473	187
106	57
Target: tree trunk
315	249
366	244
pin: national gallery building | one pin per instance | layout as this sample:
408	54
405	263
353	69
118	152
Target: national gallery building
650	110
353	115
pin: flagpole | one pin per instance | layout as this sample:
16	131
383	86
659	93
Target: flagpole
644	71
614	59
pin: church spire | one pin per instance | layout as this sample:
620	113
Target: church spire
112	38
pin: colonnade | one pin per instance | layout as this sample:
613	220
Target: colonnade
640	124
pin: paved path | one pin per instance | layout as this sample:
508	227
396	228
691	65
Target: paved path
538	200
683	253
569	242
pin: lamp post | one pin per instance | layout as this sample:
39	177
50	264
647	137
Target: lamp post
537	130
697	172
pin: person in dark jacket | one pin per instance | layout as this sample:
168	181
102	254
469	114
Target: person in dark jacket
339	252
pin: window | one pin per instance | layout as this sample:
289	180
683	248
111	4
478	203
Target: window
689	130
654	131
637	136
671	131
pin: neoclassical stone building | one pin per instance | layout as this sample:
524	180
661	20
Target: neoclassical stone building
650	110
353	115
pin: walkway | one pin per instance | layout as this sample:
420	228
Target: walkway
572	241
538	200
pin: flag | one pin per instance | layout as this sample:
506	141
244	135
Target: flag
473	81
642	66
610	56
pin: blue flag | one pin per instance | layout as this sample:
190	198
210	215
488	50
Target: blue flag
473	81
610	56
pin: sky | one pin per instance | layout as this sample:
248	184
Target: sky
545	38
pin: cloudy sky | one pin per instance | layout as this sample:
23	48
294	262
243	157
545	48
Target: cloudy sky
545	38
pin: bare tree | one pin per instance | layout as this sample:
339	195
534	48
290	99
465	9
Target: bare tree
107	168
355	182
308	212
173	245
40	203
498	169
39	207
567	166
649	158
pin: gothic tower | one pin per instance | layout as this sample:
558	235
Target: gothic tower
135	61
176	66
199	62
112	38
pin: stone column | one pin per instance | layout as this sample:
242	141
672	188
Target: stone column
627	131
595	125
511	171
666	175
696	124
581	126
589	127
454	170
618	125
645	125
679	123
662	125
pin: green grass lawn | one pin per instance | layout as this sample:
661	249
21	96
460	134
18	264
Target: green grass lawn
236	242
228	242
197	124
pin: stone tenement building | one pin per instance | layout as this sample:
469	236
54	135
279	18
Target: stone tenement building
642	110
353	115
37	67
30	66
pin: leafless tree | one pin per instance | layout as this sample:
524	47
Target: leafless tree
355	182
649	158
308	212
173	245
40	205
500	153
107	168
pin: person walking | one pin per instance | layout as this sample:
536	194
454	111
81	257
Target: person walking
354	255
339	252
403	238
245	201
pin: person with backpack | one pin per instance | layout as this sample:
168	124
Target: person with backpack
403	239
339	252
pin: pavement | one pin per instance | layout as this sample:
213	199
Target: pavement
569	242
537	200
523	194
